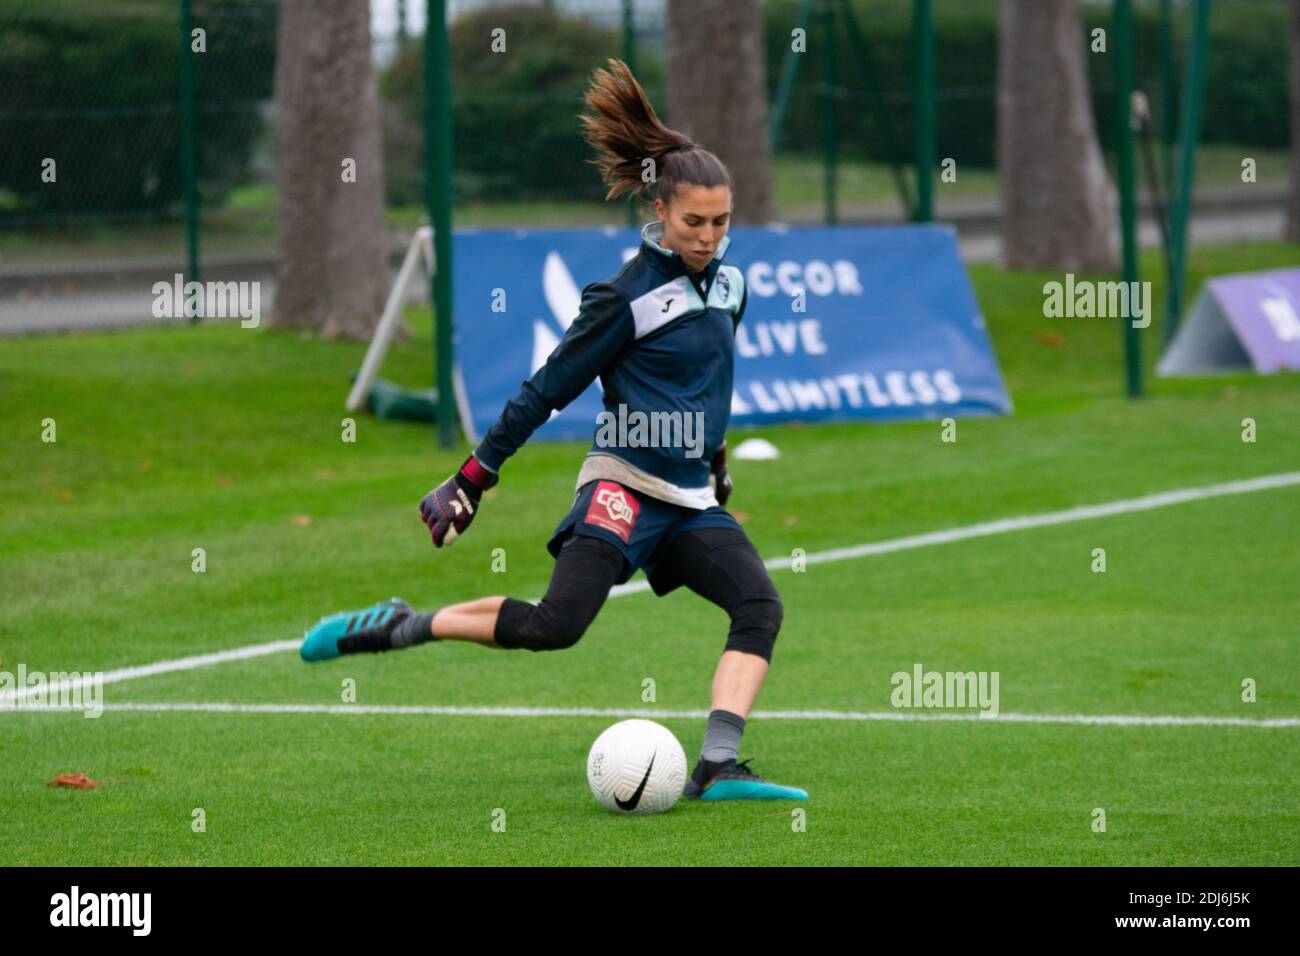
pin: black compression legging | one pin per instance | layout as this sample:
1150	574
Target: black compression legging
585	569
719	564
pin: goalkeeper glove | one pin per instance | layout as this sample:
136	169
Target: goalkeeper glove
718	475
449	508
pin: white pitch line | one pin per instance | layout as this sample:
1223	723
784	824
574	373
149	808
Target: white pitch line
983	529
1082	513
150	670
1123	720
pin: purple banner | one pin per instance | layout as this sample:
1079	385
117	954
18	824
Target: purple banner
1263	308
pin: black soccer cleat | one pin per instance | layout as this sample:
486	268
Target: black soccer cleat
730	780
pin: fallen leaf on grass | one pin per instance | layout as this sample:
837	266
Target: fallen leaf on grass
78	781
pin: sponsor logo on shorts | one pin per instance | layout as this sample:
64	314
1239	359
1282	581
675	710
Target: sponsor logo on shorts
613	508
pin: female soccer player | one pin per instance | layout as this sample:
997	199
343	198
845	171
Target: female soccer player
660	334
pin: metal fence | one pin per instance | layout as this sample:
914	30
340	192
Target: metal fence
120	150
140	136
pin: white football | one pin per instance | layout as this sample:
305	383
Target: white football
637	766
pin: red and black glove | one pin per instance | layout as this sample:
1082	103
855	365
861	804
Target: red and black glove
718	474
449	508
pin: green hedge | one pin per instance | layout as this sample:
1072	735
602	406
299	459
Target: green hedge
515	123
1245	89
94	84
517	136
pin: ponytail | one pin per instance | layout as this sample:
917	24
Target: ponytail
625	132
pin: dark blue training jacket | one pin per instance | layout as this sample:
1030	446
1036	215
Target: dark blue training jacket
661	339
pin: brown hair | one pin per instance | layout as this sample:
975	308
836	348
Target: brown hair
625	132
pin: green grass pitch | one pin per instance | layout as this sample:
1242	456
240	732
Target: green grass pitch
229	440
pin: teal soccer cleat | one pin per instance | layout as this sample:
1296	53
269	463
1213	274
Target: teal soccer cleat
354	631
734	781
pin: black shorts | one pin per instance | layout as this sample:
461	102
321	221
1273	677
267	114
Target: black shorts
640	527
718	563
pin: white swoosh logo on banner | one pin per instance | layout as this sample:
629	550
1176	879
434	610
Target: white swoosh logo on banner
564	299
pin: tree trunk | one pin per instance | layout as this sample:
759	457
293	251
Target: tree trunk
1059	209
717	93
1293	205
333	272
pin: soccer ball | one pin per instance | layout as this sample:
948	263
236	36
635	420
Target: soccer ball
637	766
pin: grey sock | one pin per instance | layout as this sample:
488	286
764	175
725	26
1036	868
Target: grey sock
416	629
722	738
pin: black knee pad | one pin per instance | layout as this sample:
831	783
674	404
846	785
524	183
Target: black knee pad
585	570
722	565
536	627
755	623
